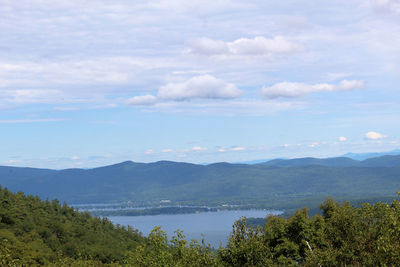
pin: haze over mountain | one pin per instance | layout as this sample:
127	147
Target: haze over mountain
354	156
275	183
362	156
382	161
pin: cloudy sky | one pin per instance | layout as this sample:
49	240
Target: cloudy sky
89	83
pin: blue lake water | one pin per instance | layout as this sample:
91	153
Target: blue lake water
215	226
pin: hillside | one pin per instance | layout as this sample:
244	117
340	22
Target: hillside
35	232
275	184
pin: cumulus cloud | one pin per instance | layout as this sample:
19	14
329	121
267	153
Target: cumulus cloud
167	150
234	149
292	90
342	139
238	148
199	148
204	86
314	144
374	135
257	46
198	87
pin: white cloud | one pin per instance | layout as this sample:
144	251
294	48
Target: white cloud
342	139
96	70
198	87
167	150
142	100
374	135
12	161
199	148
262	46
75	158
249	107
291	90
333	76
194	6
258	46
314	144
207	46
387	5
232	149
381	3
22	96
149	151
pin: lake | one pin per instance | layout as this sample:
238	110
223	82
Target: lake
216	226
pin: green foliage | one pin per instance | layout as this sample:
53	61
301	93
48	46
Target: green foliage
35	232
178	252
343	236
245	247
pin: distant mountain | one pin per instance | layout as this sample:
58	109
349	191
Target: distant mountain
276	183
383	161
251	162
363	156
354	156
340	161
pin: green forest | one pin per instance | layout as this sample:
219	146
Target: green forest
278	184
35	232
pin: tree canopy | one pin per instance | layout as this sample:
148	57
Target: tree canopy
35	232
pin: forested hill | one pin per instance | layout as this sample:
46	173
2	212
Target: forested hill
35	232
44	233
274	183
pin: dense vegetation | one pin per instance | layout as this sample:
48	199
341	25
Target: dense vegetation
279	184
34	232
342	236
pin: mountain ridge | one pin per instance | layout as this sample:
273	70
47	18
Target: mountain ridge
272	184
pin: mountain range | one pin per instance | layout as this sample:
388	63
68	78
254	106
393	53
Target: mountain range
275	183
355	156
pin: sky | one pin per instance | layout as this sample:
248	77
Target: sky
91	83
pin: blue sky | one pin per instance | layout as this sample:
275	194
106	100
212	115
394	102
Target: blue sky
89	83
